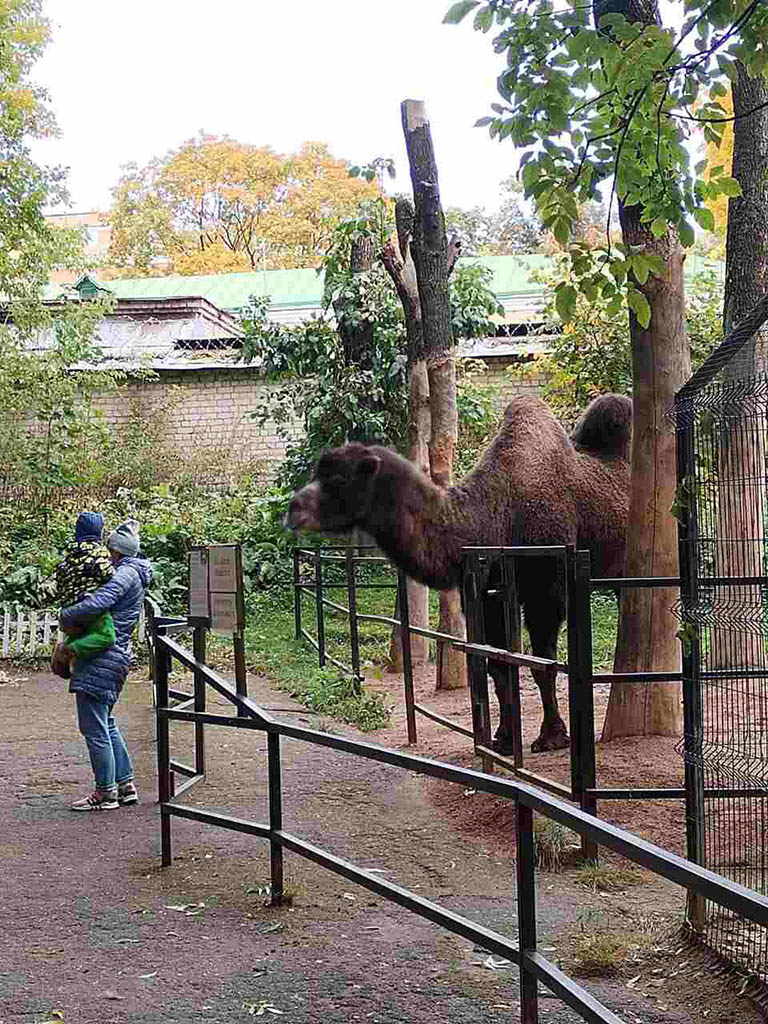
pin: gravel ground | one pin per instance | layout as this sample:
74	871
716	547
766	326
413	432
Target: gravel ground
93	931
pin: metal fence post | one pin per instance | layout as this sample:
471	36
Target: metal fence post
526	911
581	704
241	673
275	819
320	608
198	649
477	666
405	644
693	722
163	746
354	634
513	633
296	594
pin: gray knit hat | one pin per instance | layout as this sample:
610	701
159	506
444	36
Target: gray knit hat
125	538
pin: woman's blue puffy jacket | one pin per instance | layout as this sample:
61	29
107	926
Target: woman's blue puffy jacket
103	676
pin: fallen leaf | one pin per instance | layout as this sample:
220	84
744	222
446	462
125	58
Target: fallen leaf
152	975
109	993
259	1009
268	927
493	963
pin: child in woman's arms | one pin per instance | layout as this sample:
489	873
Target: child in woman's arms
86	567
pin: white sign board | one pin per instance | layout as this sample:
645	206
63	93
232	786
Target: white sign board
224	614
216	588
222	570
198	584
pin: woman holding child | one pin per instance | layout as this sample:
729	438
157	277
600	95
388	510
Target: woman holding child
97	666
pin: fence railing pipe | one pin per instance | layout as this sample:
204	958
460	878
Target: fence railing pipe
581	700
712	886
405	644
477	666
687	530
275	819
241	671
162	658
525	858
513	632
296	595
198	649
319	608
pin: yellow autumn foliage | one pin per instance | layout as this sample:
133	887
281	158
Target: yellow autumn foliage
217	205
721	156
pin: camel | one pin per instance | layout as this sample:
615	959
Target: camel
533	485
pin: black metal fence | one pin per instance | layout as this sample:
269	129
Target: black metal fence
480	564
729	896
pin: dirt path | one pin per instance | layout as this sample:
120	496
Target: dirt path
92	931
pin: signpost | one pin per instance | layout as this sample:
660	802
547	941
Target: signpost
216	598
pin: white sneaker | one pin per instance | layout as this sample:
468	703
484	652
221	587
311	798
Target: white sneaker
99	800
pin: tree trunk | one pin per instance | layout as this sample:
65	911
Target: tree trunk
647	638
741	450
398	262
433	260
418	453
647	629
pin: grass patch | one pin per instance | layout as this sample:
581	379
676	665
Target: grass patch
602	878
271	650
553	844
600	951
605	619
601	954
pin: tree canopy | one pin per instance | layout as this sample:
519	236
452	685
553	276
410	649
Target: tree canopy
44	408
614	103
29	247
217	205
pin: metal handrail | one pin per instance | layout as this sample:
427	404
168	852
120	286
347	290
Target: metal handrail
528	799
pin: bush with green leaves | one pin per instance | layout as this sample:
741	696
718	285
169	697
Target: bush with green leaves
332	399
593	353
172	518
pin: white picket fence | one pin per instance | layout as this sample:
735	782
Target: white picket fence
31	632
27	631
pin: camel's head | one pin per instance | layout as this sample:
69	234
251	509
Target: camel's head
338	497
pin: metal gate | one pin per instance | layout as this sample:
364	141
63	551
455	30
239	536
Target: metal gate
722	428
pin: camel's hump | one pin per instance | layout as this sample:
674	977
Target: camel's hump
605	427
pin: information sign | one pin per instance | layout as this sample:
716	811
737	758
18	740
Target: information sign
216	588
198	584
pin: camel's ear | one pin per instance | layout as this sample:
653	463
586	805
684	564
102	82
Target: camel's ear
368	467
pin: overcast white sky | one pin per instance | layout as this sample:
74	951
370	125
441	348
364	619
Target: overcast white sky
130	81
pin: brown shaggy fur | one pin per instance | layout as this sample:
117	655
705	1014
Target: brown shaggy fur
533	485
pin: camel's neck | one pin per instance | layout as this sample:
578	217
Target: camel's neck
420	526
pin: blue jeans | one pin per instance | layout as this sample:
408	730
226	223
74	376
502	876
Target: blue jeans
106	747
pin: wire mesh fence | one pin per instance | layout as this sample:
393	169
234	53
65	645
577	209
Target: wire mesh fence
723	507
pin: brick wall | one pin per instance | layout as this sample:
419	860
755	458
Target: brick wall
496	375
200	418
203	416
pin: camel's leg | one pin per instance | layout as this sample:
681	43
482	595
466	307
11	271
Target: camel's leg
543	622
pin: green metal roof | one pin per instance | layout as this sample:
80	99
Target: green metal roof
304	286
